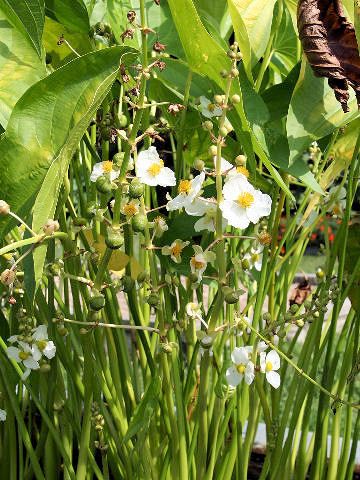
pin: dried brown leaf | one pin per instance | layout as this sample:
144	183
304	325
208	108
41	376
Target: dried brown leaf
300	293
330	45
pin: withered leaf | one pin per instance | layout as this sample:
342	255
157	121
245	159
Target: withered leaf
300	293
330	45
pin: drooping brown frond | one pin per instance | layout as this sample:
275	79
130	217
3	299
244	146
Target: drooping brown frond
330	45
300	293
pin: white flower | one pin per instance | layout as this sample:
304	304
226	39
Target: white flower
129	207
174	250
208	210
198	262
255	257
45	346
29	356
193	309
102	168
2	415
242	203
188	190
160	226
151	171
209	109
269	362
205	344
231	170
337	200
243	367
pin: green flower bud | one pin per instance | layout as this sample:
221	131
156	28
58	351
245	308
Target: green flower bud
235	99
267	317
212	150
224	73
136	188
240	160
139	222
281	333
127	283
79	221
208	125
123	120
153	300
199	165
218	99
320	273
223	131
294	308
316	314
118	159
231	54
97	302
45	368
300	323
166	348
89	209
103	184
114	239
63	331
307	304
245	264
231	297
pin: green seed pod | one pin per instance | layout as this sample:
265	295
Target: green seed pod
300	323
103	184
235	99
294	308
224	73
139	222
223	131
281	333
142	277
208	125
89	209
100	28
123	121
212	150
127	283
97	302
267	317
114	240
316	314
45	368
153	300
79	221
136	188
166	348
118	159
245	264
231	297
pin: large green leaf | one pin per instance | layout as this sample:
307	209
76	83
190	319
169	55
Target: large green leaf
44	129
71	13
206	57
314	112
257	16
20	67
27	17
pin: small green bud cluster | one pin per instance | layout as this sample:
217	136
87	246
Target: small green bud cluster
26	324
96	301
98	422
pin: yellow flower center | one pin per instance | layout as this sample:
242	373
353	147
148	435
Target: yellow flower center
159	219
336	210
41	344
211	107
240	368
255	257
23	355
245	199
243	170
197	264
176	250
269	366
184	186
156	167
130	209
107	166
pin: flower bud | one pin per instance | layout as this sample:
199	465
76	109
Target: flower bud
123	120
212	150
267	317
245	264
307	304
114	239
97	302
139	222
51	227
300	323
89	209
231	54
234	72
223	131
218	99
103	184
136	188
199	165
206	342
240	160
224	73
63	331
127	283
317	314
281	333
235	99
166	348
239	56
231	297
320	273
207	125
45	368
294	308
118	159
153	300
4	208
8	277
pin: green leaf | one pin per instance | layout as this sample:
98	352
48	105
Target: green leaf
28	18
20	67
71	13
351	258
314	112
45	127
145	409
205	56
257	17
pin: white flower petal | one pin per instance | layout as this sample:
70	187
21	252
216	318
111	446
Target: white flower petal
36	354
240	356
274	358
262	361
166	178
40	333
273	378
13	339
31	363
233	377
2	415
26	374
13	352
261	347
50	350
249	373
235	214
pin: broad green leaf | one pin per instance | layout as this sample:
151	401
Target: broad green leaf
216	9
20	67
206	57
28	18
241	36
291	6
71	13
145	409
257	16
285	44
314	112
61	54
44	129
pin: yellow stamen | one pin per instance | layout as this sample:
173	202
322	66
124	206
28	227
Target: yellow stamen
130	209
176	250
197	264
23	355
159	219
107	166
240	368
255	257
184	186
245	199
41	344
269	366
243	170
336	210
211	107
156	167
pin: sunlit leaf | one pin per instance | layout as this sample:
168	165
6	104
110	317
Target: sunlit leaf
71	13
